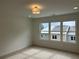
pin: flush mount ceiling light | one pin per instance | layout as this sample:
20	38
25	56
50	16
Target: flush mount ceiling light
75	5
36	10
75	8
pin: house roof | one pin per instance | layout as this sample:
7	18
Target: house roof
72	29
57	29
65	28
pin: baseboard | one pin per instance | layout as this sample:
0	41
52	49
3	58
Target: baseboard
14	52
56	49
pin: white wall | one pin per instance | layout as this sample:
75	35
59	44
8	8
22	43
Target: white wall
15	29
55	44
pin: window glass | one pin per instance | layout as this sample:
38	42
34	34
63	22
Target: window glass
69	31
55	31
44	29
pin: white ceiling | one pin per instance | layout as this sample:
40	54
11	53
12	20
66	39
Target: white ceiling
49	7
52	7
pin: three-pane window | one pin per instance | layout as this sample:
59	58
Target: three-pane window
53	30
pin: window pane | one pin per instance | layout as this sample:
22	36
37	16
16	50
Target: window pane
69	31
44	29
55	31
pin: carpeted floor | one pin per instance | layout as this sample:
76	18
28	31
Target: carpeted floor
43	53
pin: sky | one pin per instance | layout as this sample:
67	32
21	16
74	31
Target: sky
70	23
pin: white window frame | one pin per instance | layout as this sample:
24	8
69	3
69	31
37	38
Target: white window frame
61	31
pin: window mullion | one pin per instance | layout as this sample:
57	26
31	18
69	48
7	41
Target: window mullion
61	31
49	30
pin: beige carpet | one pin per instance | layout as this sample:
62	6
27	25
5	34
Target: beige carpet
43	53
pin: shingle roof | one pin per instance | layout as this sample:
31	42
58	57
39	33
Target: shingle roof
57	29
72	29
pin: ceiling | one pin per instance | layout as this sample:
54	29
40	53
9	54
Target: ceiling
52	7
49	7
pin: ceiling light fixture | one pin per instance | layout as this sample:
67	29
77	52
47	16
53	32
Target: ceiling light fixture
36	10
75	8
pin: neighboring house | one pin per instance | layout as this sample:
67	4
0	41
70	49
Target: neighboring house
68	33
57	33
44	33
71	34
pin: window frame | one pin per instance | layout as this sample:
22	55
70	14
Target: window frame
55	34
75	32
40	31
61	30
